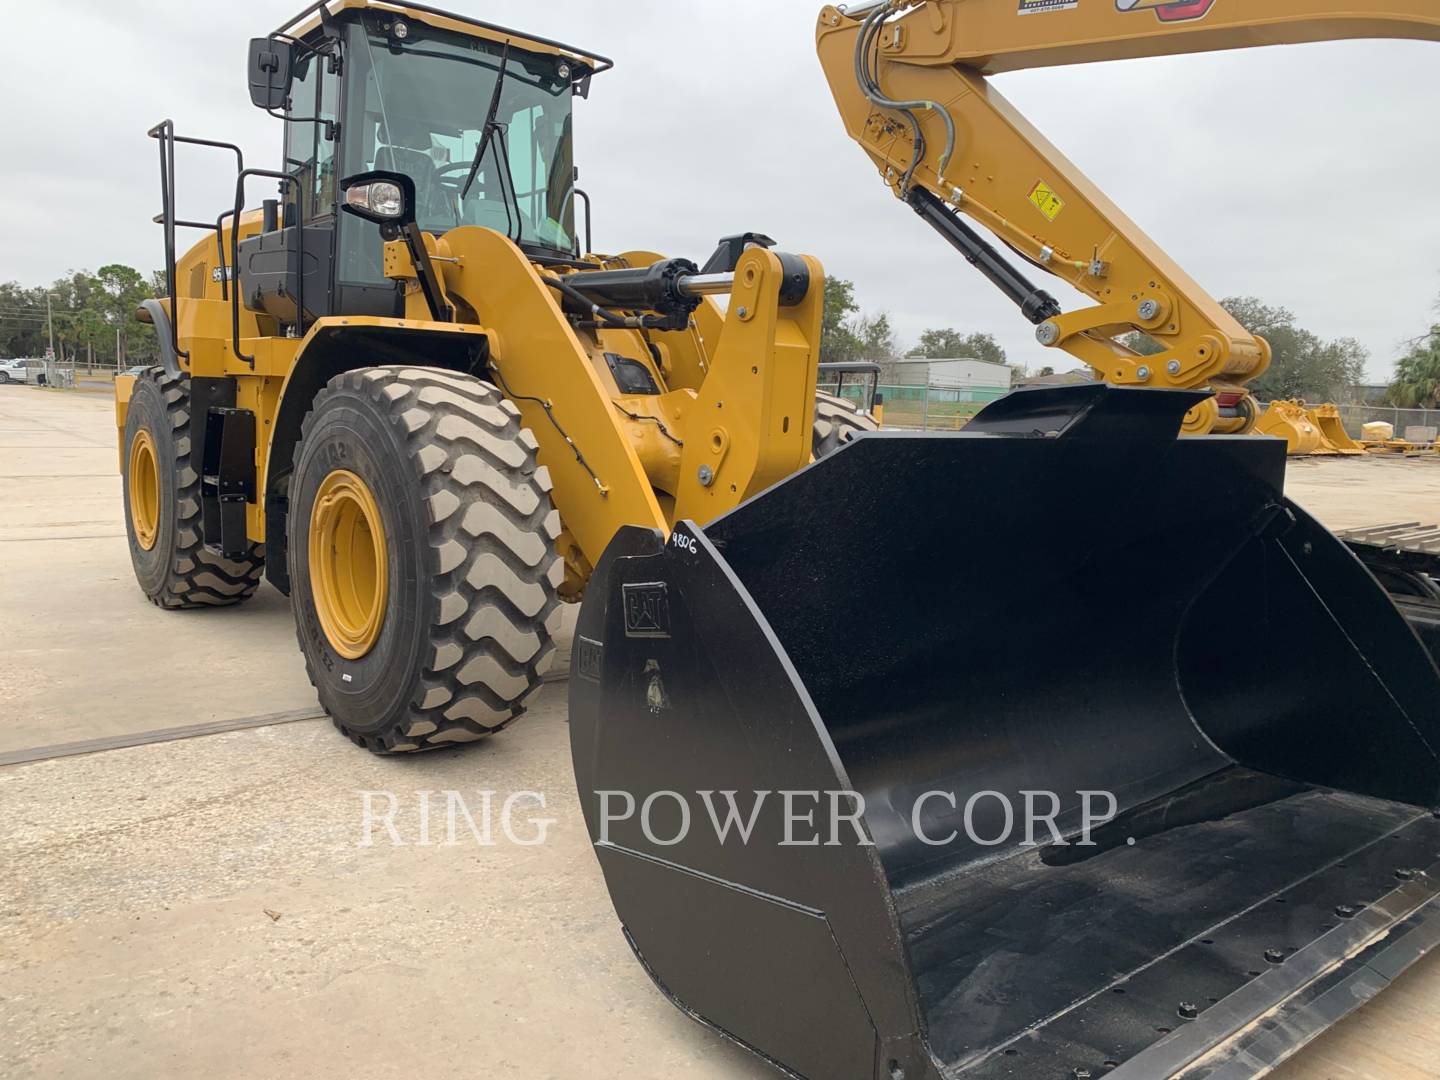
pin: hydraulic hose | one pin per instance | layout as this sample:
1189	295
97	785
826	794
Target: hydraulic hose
595	311
870	87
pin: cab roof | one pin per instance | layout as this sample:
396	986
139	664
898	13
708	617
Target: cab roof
324	10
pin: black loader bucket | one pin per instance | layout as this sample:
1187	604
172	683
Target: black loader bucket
1217	730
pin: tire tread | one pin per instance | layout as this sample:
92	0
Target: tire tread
837	421
485	501
197	577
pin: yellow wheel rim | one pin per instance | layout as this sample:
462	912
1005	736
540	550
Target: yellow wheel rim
144	473
348	573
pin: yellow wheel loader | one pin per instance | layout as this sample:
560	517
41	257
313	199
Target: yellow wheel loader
1061	747
812	697
404	392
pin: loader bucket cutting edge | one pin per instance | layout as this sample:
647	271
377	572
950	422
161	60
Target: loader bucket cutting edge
933	622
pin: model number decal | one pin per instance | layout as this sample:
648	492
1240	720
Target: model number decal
1036	7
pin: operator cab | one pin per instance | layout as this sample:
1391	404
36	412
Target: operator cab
411	90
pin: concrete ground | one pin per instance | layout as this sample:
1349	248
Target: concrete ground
1348	492
80	640
210	905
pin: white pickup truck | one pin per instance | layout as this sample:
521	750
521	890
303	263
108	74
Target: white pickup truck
20	370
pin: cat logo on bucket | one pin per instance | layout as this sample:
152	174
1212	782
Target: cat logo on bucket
1169	10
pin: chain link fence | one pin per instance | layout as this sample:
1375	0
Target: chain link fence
921	408
943	408
1417	425
58	374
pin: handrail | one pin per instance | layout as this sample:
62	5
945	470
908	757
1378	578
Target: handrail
164	133
220	249
239	208
589	239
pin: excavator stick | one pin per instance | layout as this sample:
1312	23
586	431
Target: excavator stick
887	663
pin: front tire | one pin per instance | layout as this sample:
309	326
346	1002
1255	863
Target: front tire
422	558
162	506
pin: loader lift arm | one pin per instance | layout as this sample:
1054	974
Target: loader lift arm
909	79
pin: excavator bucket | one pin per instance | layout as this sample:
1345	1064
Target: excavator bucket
1057	747
1291	421
1333	436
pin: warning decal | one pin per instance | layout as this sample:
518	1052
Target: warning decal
1046	201
1035	7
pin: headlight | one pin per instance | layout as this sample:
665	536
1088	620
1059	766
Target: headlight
382	196
380	199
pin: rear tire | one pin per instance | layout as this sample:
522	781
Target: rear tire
837	421
469	607
162	505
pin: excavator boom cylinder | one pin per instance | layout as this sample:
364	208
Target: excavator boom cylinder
1035	304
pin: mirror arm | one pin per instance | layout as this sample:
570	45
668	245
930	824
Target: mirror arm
440	311
332	127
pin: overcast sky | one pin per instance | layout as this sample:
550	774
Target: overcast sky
1306	176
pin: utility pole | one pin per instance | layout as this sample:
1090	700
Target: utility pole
50	320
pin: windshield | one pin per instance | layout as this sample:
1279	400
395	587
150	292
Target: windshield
419	108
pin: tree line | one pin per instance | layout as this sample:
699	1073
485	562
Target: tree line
849	334
1417	373
94	322
93	317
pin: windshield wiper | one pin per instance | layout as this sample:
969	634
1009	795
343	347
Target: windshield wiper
487	133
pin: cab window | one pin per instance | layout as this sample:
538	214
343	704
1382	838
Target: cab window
309	151
419	108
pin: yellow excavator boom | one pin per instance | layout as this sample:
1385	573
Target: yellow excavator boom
909	78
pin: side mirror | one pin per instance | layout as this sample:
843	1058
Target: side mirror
386	198
269	72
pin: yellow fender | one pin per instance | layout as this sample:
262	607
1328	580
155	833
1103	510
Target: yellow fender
124	388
